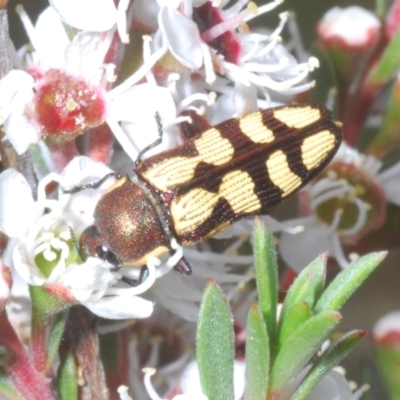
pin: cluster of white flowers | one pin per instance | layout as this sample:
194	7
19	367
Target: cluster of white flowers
185	66
256	64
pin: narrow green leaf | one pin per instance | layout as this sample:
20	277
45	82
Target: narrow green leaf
296	316
67	381
307	287
266	276
387	356
45	304
388	64
388	135
215	345
332	357
55	337
347	281
298	349
257	356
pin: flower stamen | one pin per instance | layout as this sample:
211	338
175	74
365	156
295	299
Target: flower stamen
361	221
149	372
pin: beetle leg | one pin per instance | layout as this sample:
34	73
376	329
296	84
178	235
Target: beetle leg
129	281
183	267
144	273
155	143
92	185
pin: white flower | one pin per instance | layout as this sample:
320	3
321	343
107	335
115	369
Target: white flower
93	15
386	327
352	190
16	90
353	26
40	250
259	62
182	296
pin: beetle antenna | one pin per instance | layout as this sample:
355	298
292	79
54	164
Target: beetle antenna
91	185
74	241
155	143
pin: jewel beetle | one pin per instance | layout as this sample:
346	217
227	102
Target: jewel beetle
238	168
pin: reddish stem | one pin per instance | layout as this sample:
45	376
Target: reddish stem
100	144
355	112
18	367
39	347
62	153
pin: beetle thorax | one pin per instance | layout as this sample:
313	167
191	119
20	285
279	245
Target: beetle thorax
129	223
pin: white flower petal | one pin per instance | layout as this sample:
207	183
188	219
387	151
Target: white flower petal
387	324
333	386
190	380
390	182
187	310
79	207
88	15
300	249
51	39
15	91
121	307
139	104
82	169
141	126
27	269
89	280
245	99
354	25
223	109
185	42
85	55
20	132
18	210
144	12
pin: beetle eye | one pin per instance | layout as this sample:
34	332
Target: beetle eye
105	254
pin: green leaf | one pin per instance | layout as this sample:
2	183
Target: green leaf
388	136
389	63
332	357
215	345
347	281
56	336
296	316
266	276
307	287
45	304
67	382
298	349
387	355
257	356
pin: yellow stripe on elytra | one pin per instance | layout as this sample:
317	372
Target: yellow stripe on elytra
253	127
212	148
315	148
298	117
280	173
194	207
